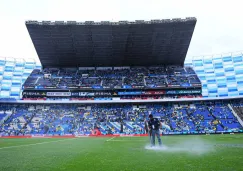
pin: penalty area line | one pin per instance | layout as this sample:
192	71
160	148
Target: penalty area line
26	145
111	139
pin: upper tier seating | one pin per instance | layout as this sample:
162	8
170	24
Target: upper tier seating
135	77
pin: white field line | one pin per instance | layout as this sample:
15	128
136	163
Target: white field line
127	140
35	144
111	139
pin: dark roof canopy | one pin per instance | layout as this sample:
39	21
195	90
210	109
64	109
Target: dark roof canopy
123	43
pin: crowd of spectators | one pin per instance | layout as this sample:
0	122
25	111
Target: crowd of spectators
132	77
59	119
155	81
112	82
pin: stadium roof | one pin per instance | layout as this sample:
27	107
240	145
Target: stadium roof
123	43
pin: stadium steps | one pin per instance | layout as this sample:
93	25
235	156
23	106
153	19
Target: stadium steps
132	125
37	80
234	111
108	126
116	125
129	125
29	121
144	82
9	119
140	125
3	117
103	129
113	126
166	127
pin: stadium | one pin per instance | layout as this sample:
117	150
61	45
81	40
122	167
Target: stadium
85	106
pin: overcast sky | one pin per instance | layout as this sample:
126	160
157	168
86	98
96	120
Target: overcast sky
219	28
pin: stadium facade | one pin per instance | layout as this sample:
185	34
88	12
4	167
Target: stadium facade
221	76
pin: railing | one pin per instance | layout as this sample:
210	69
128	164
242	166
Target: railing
235	114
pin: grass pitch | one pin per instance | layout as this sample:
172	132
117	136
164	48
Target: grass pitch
212	152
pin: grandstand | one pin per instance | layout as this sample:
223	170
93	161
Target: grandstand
72	119
107	77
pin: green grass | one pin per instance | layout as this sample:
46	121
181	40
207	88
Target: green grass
213	152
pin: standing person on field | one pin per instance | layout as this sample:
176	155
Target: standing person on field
145	126
153	127
146	129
